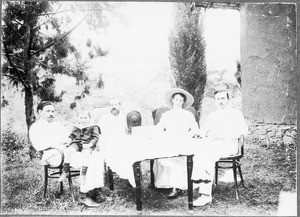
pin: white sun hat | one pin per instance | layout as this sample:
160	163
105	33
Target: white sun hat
189	98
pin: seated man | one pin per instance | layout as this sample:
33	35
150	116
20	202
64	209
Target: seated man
220	132
45	134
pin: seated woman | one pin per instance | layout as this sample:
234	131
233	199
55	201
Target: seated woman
171	173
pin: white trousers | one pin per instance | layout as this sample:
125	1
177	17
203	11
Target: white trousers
172	172
95	171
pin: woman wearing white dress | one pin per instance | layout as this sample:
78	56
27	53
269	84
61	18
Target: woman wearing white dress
177	122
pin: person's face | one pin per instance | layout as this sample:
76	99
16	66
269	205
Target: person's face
221	99
47	113
115	108
84	119
177	101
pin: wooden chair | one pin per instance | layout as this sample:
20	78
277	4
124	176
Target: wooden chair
54	172
134	119
232	162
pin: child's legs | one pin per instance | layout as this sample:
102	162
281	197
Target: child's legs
69	152
86	152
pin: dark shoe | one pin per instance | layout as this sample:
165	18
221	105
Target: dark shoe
88	202
175	192
201	181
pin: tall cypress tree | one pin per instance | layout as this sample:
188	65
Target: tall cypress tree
187	53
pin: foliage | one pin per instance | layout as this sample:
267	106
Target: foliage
95	50
32	56
187	53
11	141
238	73
4	102
100	82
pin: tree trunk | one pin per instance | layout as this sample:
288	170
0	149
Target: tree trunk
30	117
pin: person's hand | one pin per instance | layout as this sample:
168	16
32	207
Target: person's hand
88	145
196	136
214	136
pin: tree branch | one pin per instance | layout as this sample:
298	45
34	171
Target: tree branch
34	28
88	9
14	67
63	36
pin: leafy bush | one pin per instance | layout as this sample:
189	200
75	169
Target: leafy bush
11	141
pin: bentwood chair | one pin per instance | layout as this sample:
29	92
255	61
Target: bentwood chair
54	172
134	119
232	162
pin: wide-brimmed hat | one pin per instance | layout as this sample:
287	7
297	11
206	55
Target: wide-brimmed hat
189	98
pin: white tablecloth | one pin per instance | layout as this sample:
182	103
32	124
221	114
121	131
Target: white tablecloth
122	152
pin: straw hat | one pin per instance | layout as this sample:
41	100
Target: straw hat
189	98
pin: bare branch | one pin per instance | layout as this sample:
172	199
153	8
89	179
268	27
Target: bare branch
48	19
89	9
63	36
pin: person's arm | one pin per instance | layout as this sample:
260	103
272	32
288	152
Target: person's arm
94	137
194	128
72	134
162	123
239	127
206	129
38	138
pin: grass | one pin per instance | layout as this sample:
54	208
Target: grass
267	172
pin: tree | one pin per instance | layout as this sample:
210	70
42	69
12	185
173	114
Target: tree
31	57
187	53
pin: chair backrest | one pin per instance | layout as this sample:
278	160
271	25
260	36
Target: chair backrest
241	146
156	114
97	112
133	119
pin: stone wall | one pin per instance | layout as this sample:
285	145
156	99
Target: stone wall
269	62
269	135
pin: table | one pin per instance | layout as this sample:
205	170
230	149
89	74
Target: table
124	155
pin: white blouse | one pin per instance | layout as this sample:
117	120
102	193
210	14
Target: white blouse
178	121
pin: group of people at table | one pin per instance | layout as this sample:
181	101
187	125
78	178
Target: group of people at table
217	137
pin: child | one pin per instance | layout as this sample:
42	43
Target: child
84	138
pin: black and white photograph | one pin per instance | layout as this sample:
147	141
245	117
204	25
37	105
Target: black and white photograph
149	108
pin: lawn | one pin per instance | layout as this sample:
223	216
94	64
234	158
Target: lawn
267	171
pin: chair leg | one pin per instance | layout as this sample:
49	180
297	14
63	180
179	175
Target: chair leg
45	179
61	183
240	172
111	179
235	180
216	173
151	173
71	186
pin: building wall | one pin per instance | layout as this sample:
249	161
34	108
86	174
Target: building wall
268	60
